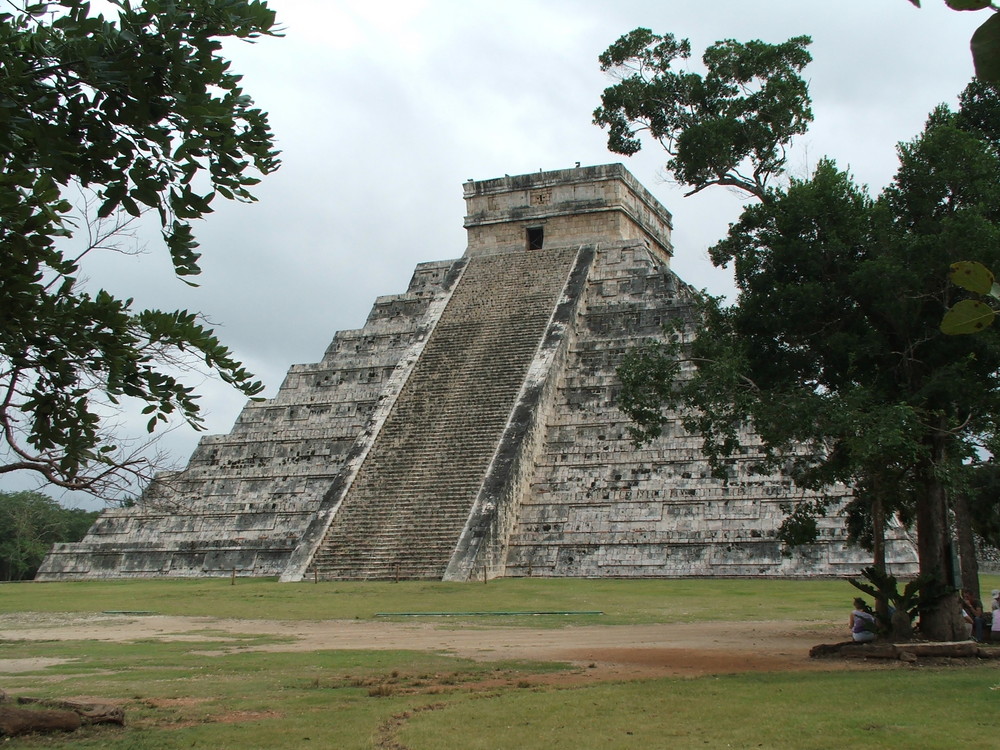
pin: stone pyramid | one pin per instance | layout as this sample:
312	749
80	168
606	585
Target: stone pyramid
470	430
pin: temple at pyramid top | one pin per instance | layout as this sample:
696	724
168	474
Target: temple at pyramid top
470	429
559	208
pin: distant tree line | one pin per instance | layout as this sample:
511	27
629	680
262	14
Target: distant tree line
30	523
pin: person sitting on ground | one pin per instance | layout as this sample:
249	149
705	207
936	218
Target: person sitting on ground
973	609
862	622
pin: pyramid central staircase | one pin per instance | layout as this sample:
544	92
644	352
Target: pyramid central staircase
402	512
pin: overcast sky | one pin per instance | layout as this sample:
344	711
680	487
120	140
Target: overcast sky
383	109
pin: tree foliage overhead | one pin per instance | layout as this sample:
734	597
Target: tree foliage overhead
832	352
728	127
985	44
137	113
983	493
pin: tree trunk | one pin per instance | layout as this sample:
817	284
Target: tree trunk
942	619
16	721
89	713
878	529
878	543
966	544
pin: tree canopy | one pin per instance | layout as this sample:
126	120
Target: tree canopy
983	491
832	351
728	127
135	113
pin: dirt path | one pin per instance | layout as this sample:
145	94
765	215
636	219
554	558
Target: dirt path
607	651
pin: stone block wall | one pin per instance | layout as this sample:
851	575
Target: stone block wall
569	206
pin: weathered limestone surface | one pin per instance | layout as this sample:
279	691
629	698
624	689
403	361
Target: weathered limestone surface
246	498
570	206
469	429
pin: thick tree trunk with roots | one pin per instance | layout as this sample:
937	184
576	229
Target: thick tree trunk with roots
941	620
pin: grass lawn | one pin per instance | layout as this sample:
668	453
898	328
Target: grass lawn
879	709
623	602
220	695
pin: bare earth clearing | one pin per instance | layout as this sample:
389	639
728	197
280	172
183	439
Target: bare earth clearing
607	652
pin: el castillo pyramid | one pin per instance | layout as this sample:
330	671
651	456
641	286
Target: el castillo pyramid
470	430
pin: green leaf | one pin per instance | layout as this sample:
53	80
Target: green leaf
967	4
973	276
103	103
986	49
968	316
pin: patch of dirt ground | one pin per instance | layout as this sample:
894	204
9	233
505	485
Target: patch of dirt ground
602	652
